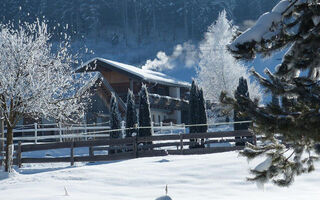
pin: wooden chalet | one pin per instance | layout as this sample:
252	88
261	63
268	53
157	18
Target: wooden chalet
167	96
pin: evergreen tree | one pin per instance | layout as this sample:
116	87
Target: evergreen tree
296	119
131	114
202	115
144	112
115	120
218	70
194	114
242	90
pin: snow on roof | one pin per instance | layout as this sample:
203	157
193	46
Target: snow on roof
147	75
262	28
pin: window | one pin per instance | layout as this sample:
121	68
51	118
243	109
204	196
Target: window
159	118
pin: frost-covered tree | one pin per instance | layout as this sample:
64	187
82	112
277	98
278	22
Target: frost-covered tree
218	70
35	82
144	112
131	114
295	120
115	120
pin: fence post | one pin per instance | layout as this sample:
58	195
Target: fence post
254	138
171	127
19	155
152	130
2	134
135	146
60	131
85	131
181	144
123	128
161	124
91	153
72	153
36	133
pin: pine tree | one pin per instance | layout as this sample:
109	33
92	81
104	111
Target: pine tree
144	112
193	111
115	121
296	119
193	107
202	115
131	114
242	90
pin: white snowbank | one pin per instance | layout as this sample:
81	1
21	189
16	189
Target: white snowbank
212	176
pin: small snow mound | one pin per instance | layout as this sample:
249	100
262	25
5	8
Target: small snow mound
163	160
5	175
164	198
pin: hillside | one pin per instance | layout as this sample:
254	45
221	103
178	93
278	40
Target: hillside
131	31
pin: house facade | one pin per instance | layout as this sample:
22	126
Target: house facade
167	96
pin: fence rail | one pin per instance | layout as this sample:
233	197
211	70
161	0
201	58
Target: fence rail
59	132
135	147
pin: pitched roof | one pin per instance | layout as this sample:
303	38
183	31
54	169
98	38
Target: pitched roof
97	64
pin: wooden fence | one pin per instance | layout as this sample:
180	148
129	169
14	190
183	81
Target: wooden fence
38	133
134	147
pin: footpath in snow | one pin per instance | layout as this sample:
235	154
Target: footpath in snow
212	176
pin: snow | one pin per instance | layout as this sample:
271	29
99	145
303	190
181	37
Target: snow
218	70
263	27
164	198
147	75
316	20
212	176
264	165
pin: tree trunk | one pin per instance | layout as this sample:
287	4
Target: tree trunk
9	143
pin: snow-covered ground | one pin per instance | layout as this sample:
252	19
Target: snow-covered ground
212	176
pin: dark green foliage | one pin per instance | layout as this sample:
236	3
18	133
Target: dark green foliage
202	113
131	114
202	116
290	128
194	107
241	91
197	113
193	112
115	119
144	113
